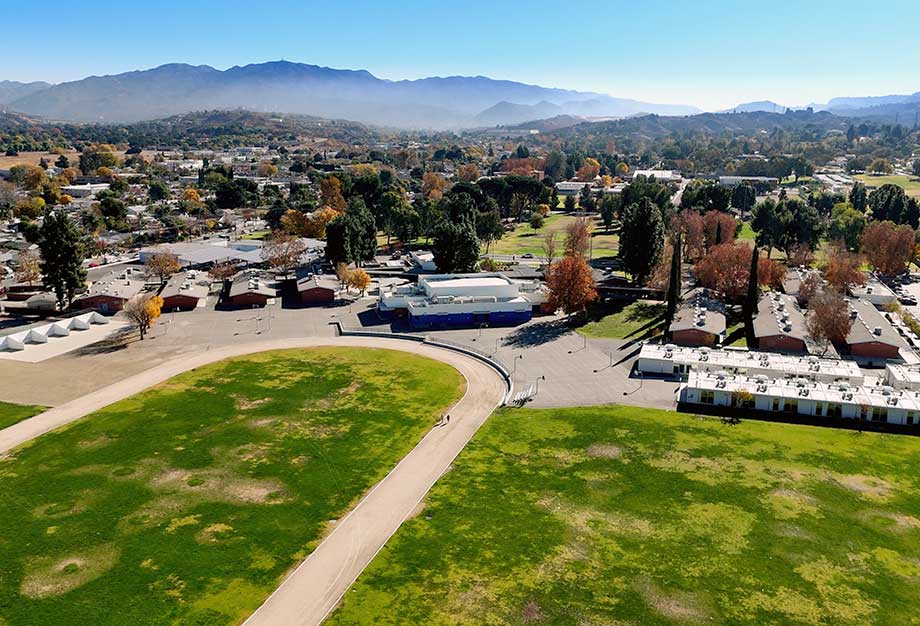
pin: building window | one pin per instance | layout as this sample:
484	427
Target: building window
776	404
708	396
819	408
790	406
910	417
834	410
879	414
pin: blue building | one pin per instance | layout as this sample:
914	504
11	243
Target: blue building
463	300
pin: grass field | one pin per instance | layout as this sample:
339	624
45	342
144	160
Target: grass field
524	240
187	504
746	233
910	184
634	320
12	413
256	234
627	516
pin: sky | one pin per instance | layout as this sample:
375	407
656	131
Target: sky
710	53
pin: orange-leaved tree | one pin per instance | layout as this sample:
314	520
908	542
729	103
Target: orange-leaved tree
571	285
143	310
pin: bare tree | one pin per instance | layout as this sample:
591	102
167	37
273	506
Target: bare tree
549	246
29	267
222	271
283	252
162	265
828	319
577	237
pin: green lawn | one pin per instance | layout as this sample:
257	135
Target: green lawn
13	413
746	233
635	320
734	335
910	184
620	515
524	240
188	503
256	234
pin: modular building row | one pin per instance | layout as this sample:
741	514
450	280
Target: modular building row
681	361
877	403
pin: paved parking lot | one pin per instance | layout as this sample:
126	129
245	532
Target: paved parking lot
567	369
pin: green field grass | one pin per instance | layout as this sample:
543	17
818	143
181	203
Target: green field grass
524	240
628	516
188	503
13	413
635	320
910	184
256	234
746	233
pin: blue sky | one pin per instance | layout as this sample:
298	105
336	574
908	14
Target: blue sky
710	53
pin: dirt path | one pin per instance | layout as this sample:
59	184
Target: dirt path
314	588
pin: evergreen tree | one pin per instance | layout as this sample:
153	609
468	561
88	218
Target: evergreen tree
641	238
751	303
859	197
674	283
62	257
456	247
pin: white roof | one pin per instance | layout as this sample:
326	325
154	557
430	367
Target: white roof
783	364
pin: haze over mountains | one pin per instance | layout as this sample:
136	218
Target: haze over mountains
429	103
283	86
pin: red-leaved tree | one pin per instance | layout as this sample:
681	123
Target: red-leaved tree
770	273
726	268
889	247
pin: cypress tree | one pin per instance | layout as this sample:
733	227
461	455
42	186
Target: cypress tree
674	284
718	233
751	304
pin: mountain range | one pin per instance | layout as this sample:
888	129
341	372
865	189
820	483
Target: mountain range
11	90
451	102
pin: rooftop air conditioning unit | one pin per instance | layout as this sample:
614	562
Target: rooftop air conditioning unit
877	331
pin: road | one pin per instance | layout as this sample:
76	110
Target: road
315	587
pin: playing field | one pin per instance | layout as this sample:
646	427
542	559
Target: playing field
617	515
910	184
188	503
12	413
526	240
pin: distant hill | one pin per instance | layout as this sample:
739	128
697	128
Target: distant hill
842	104
451	102
761	105
656	126
11	90
505	113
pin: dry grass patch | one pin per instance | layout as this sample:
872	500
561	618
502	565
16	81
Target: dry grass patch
48	576
869	487
604	451
684	607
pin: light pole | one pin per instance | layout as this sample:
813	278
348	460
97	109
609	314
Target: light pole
641	380
514	366
584	345
495	351
609	365
537	385
481	326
